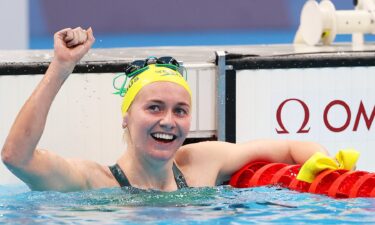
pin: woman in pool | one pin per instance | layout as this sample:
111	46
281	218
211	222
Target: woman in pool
156	123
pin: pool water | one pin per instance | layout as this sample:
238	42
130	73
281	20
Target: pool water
219	205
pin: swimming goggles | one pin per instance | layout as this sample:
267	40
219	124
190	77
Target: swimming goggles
139	66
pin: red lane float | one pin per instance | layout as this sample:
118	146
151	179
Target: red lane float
264	175
335	183
364	187
242	177
298	185
285	175
324	180
341	186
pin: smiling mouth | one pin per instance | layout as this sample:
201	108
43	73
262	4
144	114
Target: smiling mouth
163	137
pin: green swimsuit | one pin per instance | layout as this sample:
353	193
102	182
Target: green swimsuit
124	182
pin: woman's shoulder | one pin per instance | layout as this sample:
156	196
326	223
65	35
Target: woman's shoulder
207	156
97	175
202	150
196	148
206	146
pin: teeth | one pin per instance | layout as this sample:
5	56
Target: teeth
163	136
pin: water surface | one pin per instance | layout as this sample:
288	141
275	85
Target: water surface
220	205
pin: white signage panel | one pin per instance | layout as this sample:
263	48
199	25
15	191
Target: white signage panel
332	106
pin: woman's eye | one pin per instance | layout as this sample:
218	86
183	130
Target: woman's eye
181	112
154	108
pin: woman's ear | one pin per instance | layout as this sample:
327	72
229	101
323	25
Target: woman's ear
125	120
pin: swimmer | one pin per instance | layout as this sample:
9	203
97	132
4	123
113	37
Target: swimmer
156	123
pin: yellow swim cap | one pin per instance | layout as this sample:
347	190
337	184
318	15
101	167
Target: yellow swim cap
154	73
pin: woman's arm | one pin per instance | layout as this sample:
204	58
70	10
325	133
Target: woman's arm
223	159
42	169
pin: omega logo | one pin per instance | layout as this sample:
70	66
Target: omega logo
304	128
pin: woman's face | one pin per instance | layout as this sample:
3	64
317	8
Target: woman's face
159	119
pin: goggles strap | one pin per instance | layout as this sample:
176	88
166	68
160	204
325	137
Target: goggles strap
150	60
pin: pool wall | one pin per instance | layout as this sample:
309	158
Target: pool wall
334	106
322	94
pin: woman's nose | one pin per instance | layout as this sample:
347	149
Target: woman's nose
167	120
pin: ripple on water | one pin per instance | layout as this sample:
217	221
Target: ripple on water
270	205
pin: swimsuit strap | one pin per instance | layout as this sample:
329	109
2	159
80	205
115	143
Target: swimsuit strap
179	177
124	182
119	175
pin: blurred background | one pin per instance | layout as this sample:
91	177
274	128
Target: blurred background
125	23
